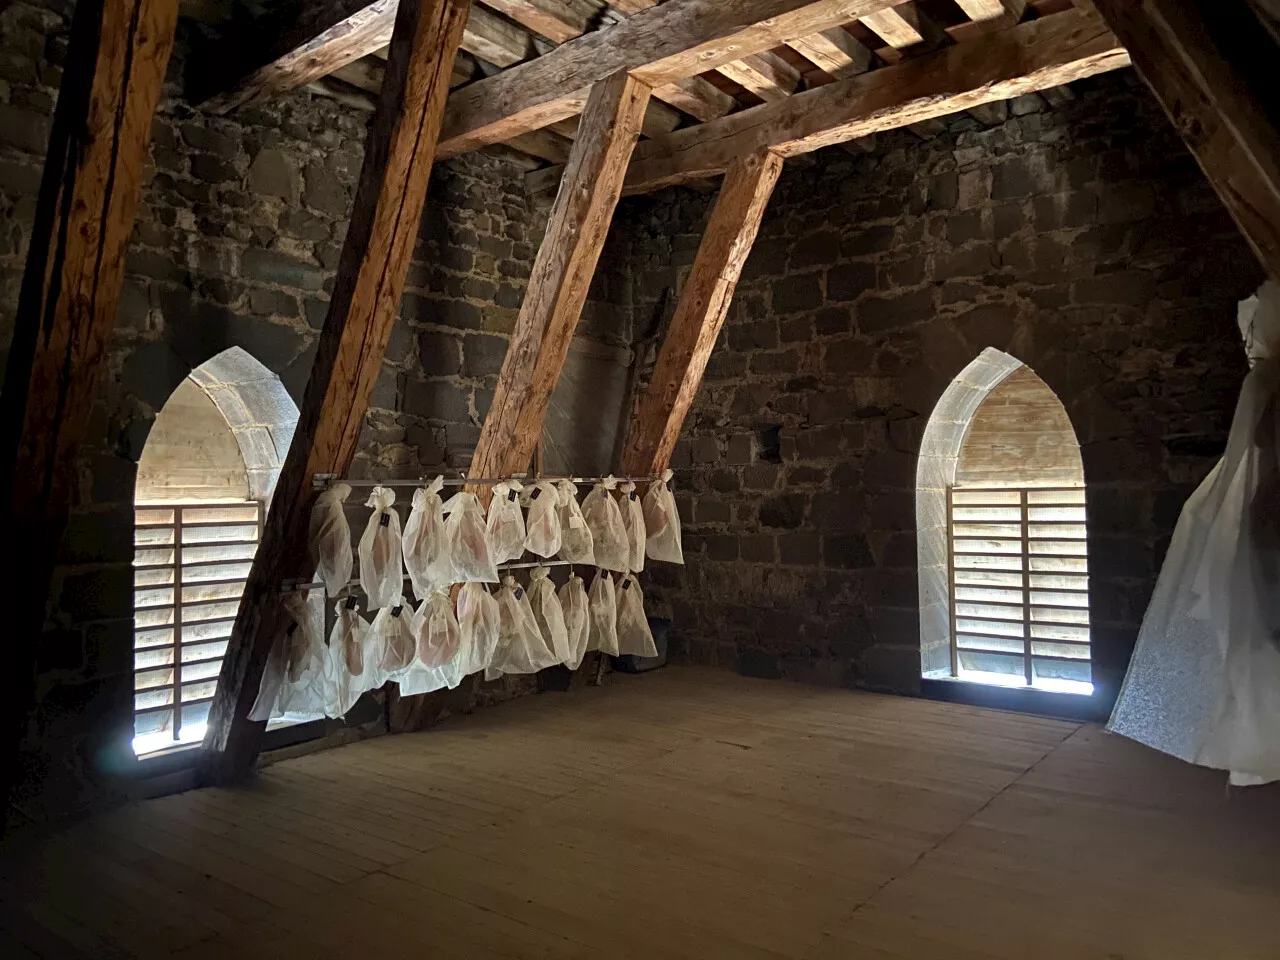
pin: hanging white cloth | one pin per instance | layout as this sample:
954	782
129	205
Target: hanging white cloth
548	613
521	648
542	526
662	522
577	619
466	541
381	559
478	624
1204	681
602	605
506	522
423	542
633	524
576	544
329	536
604	520
634	635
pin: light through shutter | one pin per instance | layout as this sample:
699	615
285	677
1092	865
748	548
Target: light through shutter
1020	587
190	566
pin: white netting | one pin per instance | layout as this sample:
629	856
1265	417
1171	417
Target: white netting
547	613
575	536
542	526
604	520
466	541
423	542
662	523
632	525
577	619
381	562
329	537
603	609
506	522
520	645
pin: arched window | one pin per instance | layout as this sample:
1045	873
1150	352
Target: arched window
1004	587
206	474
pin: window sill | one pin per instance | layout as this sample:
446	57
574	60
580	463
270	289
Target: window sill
1045	703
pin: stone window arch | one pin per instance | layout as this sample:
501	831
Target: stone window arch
205	478
1001	533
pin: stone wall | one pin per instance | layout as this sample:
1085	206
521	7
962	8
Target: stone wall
239	230
1081	239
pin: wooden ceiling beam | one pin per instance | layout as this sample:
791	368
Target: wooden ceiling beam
700	313
93	173
984	11
363	309
836	52
560	277
1195	73
906	26
1040	53
765	74
658	46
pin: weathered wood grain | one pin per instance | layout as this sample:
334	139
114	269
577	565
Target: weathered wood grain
765	74
1193	72
661	45
362	311
93	173
700	312
834	51
560	277
1041	53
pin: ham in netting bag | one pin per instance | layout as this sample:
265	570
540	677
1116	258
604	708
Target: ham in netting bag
634	635
506	522
466	541
381	562
633	524
577	619
662	523
438	634
546	611
346	657
542	526
329	536
520	645
604	520
575	536
478	623
603	609
423	544
393	627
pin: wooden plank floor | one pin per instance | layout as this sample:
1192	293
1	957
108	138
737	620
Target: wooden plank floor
681	814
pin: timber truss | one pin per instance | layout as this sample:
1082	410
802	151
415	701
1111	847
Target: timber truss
621	97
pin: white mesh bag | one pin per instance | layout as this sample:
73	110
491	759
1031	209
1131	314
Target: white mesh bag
438	634
577	619
603	610
604	520
329	536
478	624
381	563
520	645
346	653
633	524
423	543
466	541
575	536
394	629
662	523
634	635
273	677
302	686
542	526
506	522
547	612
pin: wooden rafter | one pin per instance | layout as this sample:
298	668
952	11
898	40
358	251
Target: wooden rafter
1040	53
561	276
1191	69
362	311
661	45
700	312
93	173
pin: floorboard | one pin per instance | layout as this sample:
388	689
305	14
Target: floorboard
681	814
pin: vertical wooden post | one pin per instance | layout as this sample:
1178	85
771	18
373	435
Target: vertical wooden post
704	303
561	275
116	63
399	151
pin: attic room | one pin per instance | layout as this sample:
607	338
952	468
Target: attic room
682	478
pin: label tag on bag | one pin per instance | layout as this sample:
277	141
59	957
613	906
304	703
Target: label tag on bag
444	516
511	495
293	628
519	593
537	492
386	519
576	523
351	603
626	584
395	611
633	495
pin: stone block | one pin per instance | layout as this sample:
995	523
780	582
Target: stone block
795	330
740	449
800	549
721	546
761	476
801	475
846	357
438	400
273	173
272	266
817	250
847	551
794	294
784	512
878	314
24	129
761	335
848	281
775	363
818	443
867	240
482	355
273	303
757	548
725	481
833	320
711	511
705	449
324	192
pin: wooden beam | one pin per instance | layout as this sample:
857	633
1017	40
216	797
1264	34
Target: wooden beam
561	275
765	74
906	26
558	20
1040	53
835	51
697	97
700	312
658	46
338	32
1192	71
362	311
981	11
93	173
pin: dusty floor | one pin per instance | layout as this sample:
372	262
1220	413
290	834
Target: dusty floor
684	813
